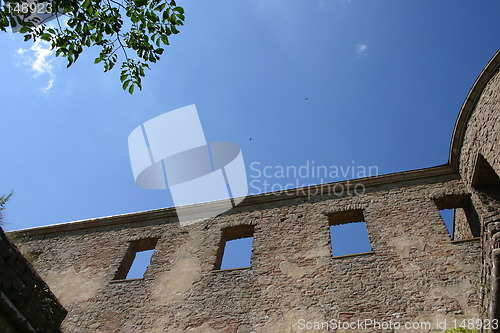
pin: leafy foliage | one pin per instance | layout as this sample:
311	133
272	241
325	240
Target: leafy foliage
4	199
461	330
137	29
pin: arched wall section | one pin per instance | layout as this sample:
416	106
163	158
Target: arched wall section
475	154
478	125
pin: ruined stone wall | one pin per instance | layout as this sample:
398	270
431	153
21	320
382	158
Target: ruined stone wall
483	130
415	272
480	155
26	303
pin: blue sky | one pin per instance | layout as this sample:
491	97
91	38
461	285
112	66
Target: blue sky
379	83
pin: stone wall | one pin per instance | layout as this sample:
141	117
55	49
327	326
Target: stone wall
26	303
415	272
479	167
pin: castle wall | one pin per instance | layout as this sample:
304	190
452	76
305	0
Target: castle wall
480	158
26	303
482	134
415	272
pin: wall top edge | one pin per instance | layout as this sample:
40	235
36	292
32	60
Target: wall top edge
468	107
439	172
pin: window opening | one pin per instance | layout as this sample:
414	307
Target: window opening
137	259
140	264
448	215
348	233
235	249
459	216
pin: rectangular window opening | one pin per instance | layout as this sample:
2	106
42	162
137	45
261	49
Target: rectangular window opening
485	179
136	259
448	216
459	216
348	233
140	264
235	248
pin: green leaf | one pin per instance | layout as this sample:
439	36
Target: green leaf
45	37
13	23
131	89
112	64
161	7
125	84
166	15
140	3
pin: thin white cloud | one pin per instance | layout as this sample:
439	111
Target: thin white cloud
38	58
361	49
